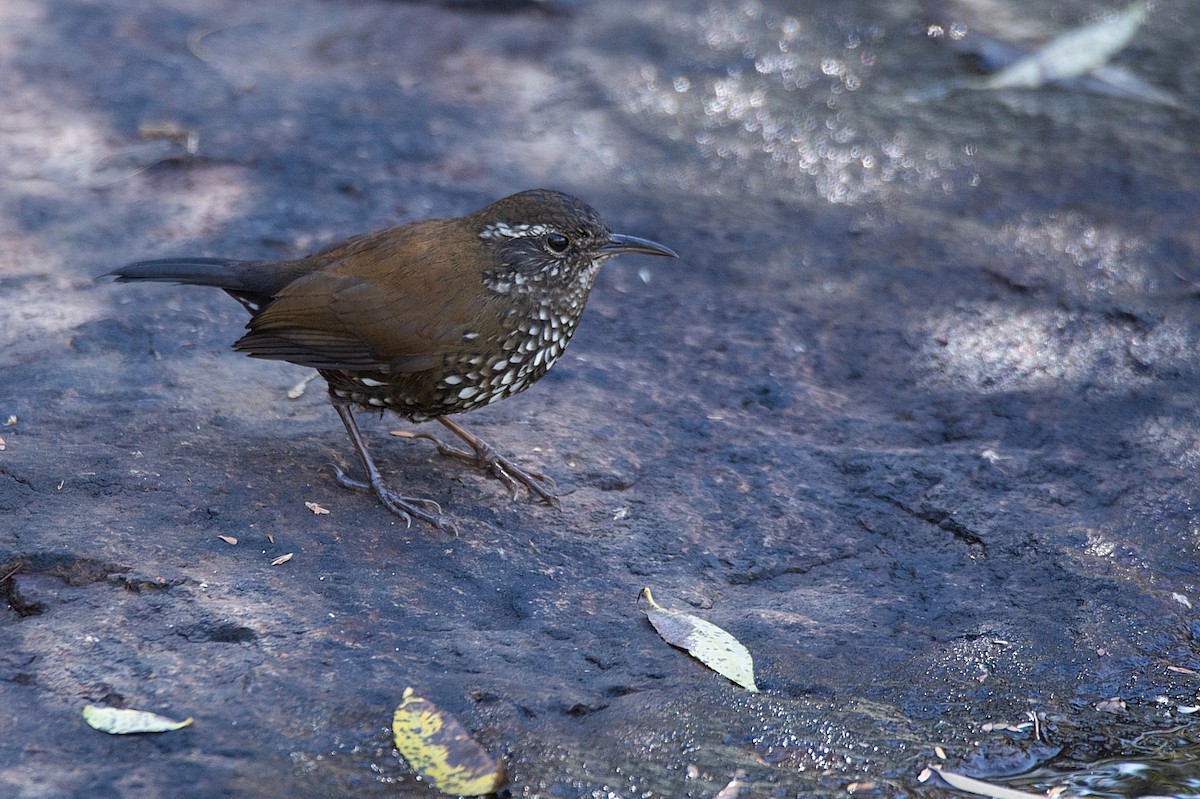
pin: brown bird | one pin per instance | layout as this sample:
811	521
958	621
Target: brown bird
426	319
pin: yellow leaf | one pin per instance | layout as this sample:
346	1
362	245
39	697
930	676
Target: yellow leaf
120	721
704	641
442	751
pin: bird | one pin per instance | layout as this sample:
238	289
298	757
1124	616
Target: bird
427	319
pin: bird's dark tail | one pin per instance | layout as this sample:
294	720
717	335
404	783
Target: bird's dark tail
248	282
220	272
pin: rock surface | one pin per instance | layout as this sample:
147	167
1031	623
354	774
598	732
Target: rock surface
913	417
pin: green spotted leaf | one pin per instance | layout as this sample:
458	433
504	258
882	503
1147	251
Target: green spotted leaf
442	751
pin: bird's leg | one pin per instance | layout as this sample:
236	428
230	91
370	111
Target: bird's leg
405	507
484	456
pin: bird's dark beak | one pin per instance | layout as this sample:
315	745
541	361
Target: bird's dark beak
618	243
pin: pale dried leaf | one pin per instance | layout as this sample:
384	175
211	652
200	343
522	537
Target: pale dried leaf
228	539
121	721
733	788
1074	53
705	641
317	509
981	788
282	559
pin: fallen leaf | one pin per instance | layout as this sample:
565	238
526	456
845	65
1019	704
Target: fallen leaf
442	751
228	539
704	641
317	509
1075	52
981	788
282	559
1075	60
121	721
733	789
3	445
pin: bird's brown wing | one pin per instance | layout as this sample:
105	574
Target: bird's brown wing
327	320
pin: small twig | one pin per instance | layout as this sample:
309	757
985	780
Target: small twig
1037	727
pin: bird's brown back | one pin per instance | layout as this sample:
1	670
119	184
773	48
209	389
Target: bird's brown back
397	300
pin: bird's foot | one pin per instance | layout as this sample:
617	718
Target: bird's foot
483	456
404	507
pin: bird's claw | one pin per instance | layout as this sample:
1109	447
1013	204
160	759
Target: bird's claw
483	456
511	475
404	507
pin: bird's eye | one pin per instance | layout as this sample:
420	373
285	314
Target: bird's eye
557	242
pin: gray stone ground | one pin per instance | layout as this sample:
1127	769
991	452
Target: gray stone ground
913	417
